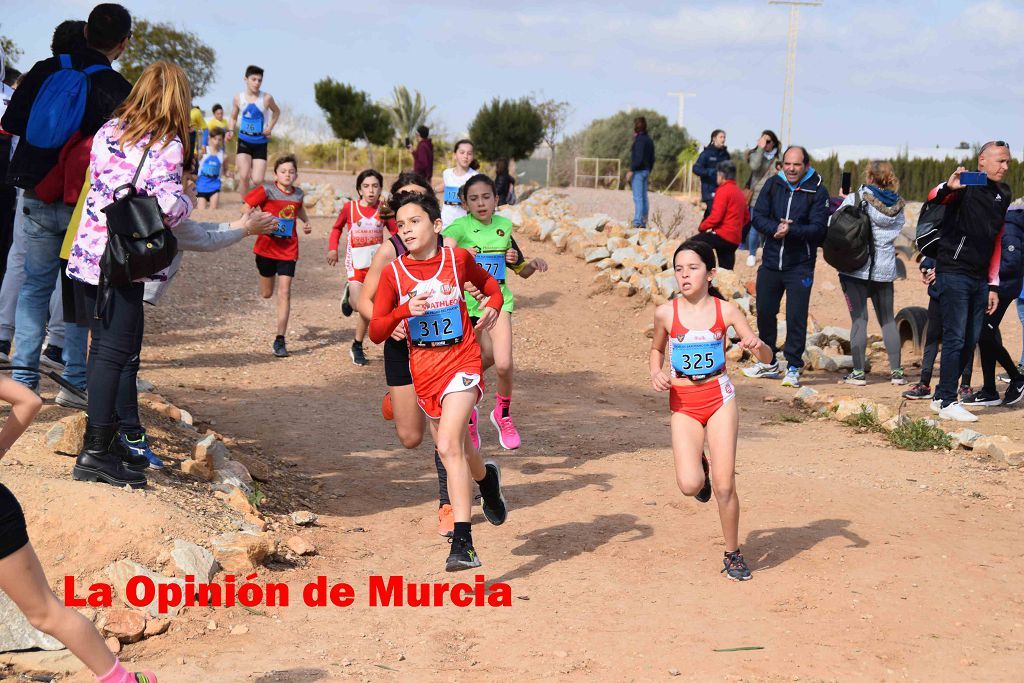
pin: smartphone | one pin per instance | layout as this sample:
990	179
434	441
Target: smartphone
408	142
973	178
847	179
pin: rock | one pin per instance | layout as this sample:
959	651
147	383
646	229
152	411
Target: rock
194	560
240	502
751	287
657	260
666	284
895	422
594	223
596	254
127	625
560	239
605	264
258	469
1000	447
239	630
780	330
300	546
232	475
67	434
547	228
113	644
303	518
728	283
966	438
840	334
45	662
735	353
850	407
624	289
817	339
210	449
803	394
617	243
144	386
240	552
625	254
843	362
156	627
17	634
122	571
199	470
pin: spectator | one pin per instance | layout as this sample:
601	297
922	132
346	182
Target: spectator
874	280
762	160
706	168
723	228
9	198
641	162
68	37
423	155
967	267
106	32
792	214
136	138
504	183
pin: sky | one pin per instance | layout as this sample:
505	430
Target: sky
915	72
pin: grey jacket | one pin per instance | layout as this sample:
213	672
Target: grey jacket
886	225
762	168
193	236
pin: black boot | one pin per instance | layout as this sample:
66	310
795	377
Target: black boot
96	462
132	461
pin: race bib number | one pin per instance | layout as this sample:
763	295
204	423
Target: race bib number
436	327
697	358
494	264
285	228
451	195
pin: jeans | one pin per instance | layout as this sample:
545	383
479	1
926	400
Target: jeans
641	207
14	278
796	284
857	293
45	226
963	299
754	240
931	348
990	344
114	356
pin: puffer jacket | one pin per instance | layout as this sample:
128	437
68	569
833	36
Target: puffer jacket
1011	260
706	168
806	204
886	225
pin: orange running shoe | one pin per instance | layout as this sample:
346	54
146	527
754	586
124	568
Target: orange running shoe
445	521
385	407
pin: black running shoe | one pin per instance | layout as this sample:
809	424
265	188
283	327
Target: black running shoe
280	350
704	495
346	307
462	556
357	355
736	567
1014	393
5	349
982	398
918	392
495	508
53	357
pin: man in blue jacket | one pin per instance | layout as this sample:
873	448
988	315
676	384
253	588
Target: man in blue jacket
792	214
641	161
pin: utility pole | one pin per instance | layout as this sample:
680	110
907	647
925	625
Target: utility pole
786	128
682	101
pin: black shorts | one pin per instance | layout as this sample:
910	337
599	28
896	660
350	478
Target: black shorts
396	363
207	195
269	267
256	151
13	535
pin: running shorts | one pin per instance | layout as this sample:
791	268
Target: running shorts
13	534
357	274
269	267
396	363
701	401
255	151
206	195
460	381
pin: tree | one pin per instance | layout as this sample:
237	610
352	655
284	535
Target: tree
351	114
612	138
153	41
554	114
11	51
507	129
407	112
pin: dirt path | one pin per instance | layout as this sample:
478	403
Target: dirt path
868	563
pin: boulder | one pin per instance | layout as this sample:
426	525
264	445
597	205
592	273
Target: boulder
1000	447
194	560
840	334
232	475
210	449
122	571
17	634
850	407
617	243
729	284
666	284
239	552
596	254
605	263
594	223
300	546
657	260
258	469
200	470
546	228
67	434
239	502
560	239
127	625
625	254
966	438
303	518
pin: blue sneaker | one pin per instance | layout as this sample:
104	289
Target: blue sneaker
138	445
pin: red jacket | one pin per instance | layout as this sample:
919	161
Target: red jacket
728	213
64	181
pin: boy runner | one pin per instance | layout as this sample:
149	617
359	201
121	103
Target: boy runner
252	106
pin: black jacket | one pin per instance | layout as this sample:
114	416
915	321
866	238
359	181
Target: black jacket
108	89
806	205
1011	260
970	240
641	157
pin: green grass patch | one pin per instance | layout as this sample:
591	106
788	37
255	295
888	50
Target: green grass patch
257	496
866	419
918	435
791	418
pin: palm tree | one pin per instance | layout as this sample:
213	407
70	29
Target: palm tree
408	112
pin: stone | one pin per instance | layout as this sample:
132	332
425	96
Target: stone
238	501
817	339
624	254
156	627
596	254
194	560
113	644
17	634
239	552
666	284
624	289
844	362
547	227
895	422
232	475
840	334
303	518
617	243
67	434
127	625
1000	447
43	662
850	407
966	438
200	470
300	546
594	223
560	239
258	469
239	630
728	283
657	260
735	353
210	449
780	330
122	571
605	264
144	386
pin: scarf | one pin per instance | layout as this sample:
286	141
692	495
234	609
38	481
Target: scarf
887	197
794	188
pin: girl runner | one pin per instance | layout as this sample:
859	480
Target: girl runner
489	238
365	234
21	575
701	398
455	178
423	291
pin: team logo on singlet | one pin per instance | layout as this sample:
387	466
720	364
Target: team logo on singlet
447	289
287	211
466	381
681	338
718	336
501	233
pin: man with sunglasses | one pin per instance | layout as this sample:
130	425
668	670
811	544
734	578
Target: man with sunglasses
967	266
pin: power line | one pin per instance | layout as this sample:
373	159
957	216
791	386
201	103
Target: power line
786	127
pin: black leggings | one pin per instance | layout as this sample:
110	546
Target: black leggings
725	251
990	344
114	356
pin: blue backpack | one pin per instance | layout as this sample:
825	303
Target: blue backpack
59	106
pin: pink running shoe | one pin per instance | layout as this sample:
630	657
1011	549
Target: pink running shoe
508	436
474	433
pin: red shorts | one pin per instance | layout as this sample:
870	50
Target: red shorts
460	381
701	401
358	274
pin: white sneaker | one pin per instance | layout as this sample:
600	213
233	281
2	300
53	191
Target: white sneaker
936	405
751	260
69	400
762	371
792	378
955	411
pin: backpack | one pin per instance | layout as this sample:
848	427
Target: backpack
929	228
59	106
849	242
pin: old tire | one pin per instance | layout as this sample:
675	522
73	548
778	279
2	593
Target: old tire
912	324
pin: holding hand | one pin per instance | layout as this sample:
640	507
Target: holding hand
332	257
660	381
488	316
750	343
257	223
306	227
928	276
511	257
399	333
783	229
539	265
418	305
954	180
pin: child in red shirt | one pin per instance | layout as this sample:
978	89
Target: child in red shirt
277	253
422	290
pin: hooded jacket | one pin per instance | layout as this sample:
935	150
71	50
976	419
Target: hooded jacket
806	204
969	243
1011	260
706	168
886	225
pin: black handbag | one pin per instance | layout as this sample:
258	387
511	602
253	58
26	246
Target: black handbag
138	243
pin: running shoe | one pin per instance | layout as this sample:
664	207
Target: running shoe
704	495
508	436
68	399
53	357
918	392
386	409
957	413
445	521
963	393
138	445
736	567
751	260
935	405
494	505
792	378
857	378
762	371
897	377
5	350
346	307
143	677
1014	393
462	556
280	350
982	399
1005	378
474	432
357	355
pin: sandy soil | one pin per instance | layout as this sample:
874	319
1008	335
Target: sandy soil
869	563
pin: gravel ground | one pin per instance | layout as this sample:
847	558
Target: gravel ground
667	213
